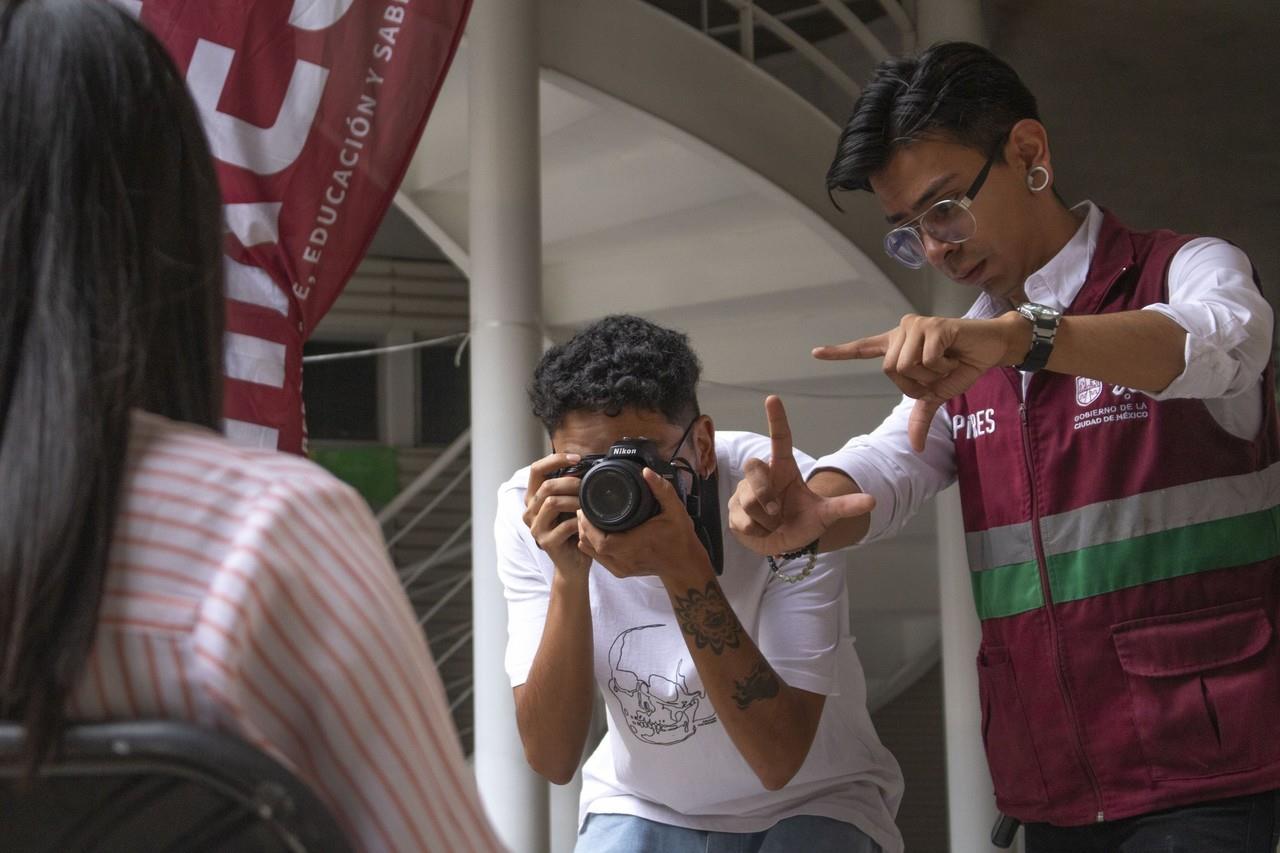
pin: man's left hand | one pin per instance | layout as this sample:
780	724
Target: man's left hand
666	546
933	359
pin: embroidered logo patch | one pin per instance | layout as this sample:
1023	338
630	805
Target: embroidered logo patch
1087	390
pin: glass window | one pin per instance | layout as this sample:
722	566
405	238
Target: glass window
341	396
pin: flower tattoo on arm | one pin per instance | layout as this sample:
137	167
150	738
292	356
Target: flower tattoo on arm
761	683
707	617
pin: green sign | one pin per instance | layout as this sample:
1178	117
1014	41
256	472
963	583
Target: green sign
370	470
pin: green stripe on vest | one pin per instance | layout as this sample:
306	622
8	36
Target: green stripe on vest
1100	569
1007	590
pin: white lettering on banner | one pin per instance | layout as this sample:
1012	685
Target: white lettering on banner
394	14
252	285
253	223
253	359
294	131
246	434
974	425
318	14
358	126
263	151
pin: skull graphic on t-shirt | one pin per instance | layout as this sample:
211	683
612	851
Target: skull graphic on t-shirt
659	708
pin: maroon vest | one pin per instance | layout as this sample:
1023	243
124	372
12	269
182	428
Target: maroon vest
1124	555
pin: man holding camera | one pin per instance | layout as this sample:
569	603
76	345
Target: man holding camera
736	703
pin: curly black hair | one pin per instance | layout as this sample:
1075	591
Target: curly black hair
617	363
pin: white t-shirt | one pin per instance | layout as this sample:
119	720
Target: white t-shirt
665	757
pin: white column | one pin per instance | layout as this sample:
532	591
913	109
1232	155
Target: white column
564	814
399	394
970	804
506	265
971	807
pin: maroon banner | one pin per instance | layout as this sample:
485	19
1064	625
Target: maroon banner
313	109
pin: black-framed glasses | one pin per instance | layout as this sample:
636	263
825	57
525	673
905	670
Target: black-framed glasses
684	436
949	221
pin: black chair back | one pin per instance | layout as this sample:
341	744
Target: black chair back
157	786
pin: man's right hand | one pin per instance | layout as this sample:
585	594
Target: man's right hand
551	512
773	510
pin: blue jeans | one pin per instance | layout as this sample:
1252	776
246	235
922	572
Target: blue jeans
620	833
1237	825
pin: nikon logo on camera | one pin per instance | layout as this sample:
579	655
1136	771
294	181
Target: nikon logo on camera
624	451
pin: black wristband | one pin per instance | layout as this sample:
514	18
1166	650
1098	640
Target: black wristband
811	548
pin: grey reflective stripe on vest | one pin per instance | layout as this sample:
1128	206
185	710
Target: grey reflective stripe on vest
1114	545
1127	518
1000	546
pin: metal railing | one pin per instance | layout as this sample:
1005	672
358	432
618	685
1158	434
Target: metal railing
751	18
431	591
426	478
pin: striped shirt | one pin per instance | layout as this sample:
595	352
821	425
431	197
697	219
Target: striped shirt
250	591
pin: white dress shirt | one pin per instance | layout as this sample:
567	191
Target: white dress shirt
1211	295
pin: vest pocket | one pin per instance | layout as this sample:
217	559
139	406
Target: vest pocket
1011	755
1203	685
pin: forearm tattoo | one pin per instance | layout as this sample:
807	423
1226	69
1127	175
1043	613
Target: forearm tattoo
708	618
760	684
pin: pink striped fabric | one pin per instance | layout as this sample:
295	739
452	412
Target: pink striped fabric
250	591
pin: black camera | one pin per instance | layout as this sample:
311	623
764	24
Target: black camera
613	493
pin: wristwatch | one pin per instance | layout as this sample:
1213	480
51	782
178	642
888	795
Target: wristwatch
1044	327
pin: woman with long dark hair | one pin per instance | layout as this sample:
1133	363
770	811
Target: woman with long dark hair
148	568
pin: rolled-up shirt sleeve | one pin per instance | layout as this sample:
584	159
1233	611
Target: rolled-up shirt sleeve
884	466
1212	295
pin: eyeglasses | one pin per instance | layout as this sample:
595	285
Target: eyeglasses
949	220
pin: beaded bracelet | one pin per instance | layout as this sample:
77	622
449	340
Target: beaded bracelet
811	550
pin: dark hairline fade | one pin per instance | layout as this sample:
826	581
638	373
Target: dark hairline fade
954	91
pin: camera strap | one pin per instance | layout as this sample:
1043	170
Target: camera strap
703	506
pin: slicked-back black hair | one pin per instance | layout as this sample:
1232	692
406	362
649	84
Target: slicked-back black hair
617	363
954	90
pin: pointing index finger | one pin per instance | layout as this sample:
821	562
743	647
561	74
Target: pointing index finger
873	347
779	428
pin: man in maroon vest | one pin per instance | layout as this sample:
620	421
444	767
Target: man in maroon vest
1107	407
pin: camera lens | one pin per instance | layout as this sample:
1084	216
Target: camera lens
609	496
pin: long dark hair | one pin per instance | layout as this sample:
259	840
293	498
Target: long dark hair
110	300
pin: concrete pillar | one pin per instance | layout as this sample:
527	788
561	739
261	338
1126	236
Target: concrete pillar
399	392
970	804
506	266
564	814
971	807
